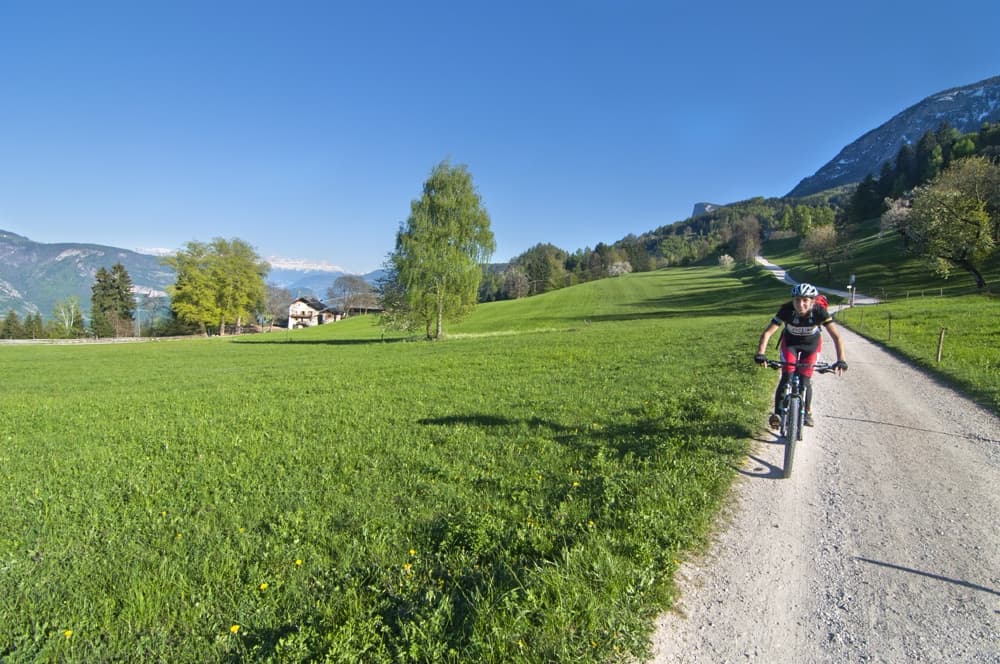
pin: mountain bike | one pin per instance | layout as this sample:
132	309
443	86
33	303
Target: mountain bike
793	409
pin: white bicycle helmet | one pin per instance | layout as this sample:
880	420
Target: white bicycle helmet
804	290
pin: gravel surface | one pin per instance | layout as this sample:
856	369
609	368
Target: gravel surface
882	546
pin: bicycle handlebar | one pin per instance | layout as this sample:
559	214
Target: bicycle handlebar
820	367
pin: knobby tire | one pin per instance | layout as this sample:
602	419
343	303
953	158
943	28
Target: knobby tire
793	432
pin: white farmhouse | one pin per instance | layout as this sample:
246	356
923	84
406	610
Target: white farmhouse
308	311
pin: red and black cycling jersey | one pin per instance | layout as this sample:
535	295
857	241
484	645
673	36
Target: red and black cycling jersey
802	332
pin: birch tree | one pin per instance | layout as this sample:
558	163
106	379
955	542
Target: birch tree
441	248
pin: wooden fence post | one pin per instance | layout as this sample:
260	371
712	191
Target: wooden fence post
890	326
940	344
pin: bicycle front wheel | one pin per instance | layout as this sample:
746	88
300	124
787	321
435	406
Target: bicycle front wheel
793	431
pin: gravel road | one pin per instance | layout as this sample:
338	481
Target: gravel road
883	546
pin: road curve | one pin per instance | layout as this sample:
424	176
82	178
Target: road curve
782	275
883	546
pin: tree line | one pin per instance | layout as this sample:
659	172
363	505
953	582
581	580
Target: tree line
219	287
735	230
113	307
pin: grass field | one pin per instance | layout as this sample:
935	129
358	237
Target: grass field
520	492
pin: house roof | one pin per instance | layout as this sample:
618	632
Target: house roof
315	304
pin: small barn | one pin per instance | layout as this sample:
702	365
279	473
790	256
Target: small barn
308	311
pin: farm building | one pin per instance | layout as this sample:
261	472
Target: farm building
308	311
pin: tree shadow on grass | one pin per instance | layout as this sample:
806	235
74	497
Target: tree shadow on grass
323	342
610	460
470	549
641	437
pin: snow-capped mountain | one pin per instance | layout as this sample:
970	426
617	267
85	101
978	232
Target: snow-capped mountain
308	278
965	108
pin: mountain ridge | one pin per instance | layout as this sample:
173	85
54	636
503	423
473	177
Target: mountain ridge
965	108
34	276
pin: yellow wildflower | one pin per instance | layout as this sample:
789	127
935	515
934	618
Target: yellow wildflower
234	629
263	586
68	633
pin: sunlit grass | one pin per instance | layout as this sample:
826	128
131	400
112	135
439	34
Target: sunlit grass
520	492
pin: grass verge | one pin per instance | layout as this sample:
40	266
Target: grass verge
963	328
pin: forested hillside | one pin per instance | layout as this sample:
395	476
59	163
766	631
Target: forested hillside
824	223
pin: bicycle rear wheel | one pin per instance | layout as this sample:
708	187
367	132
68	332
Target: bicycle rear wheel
793	432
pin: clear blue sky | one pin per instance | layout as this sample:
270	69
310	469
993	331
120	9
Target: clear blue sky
306	128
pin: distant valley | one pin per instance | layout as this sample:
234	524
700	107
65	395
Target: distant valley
34	276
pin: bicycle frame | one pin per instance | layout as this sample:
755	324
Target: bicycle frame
793	407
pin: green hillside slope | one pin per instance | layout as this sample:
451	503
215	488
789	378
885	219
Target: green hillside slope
881	266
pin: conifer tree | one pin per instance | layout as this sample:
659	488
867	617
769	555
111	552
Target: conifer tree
112	303
11	328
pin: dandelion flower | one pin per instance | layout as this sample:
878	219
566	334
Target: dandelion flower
234	629
68	633
298	562
413	552
263	586
407	567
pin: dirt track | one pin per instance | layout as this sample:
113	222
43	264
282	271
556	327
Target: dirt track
883	546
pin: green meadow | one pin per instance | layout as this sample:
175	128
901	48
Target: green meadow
522	491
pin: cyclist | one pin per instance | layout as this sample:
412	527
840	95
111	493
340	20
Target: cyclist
800	341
